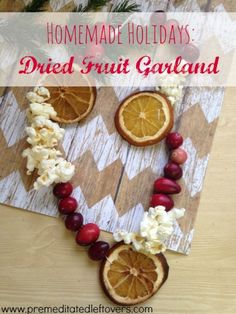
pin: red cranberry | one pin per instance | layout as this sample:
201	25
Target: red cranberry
190	53
173	171
88	234
174	140
179	156
67	205
162	200
74	221
62	190
98	250
166	186
96	51
158	18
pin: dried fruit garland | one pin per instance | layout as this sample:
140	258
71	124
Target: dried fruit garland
135	268
136	261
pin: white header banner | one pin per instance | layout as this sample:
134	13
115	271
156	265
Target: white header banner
117	49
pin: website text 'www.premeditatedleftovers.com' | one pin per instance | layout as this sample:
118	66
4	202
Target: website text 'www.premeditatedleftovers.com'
64	309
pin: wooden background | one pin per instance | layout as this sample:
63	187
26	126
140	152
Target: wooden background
115	201
40	264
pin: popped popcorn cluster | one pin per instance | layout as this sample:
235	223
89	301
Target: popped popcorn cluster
175	89
173	85
156	226
43	136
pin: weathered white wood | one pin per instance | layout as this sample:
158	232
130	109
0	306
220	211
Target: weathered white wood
204	98
10	112
194	169
93	136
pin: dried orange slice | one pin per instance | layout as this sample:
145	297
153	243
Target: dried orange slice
129	277
144	118
72	104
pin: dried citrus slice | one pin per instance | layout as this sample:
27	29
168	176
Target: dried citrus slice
72	103
129	277
144	118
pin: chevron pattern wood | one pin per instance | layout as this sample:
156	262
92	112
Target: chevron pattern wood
113	180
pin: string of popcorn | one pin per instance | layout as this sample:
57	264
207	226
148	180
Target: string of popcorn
44	136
